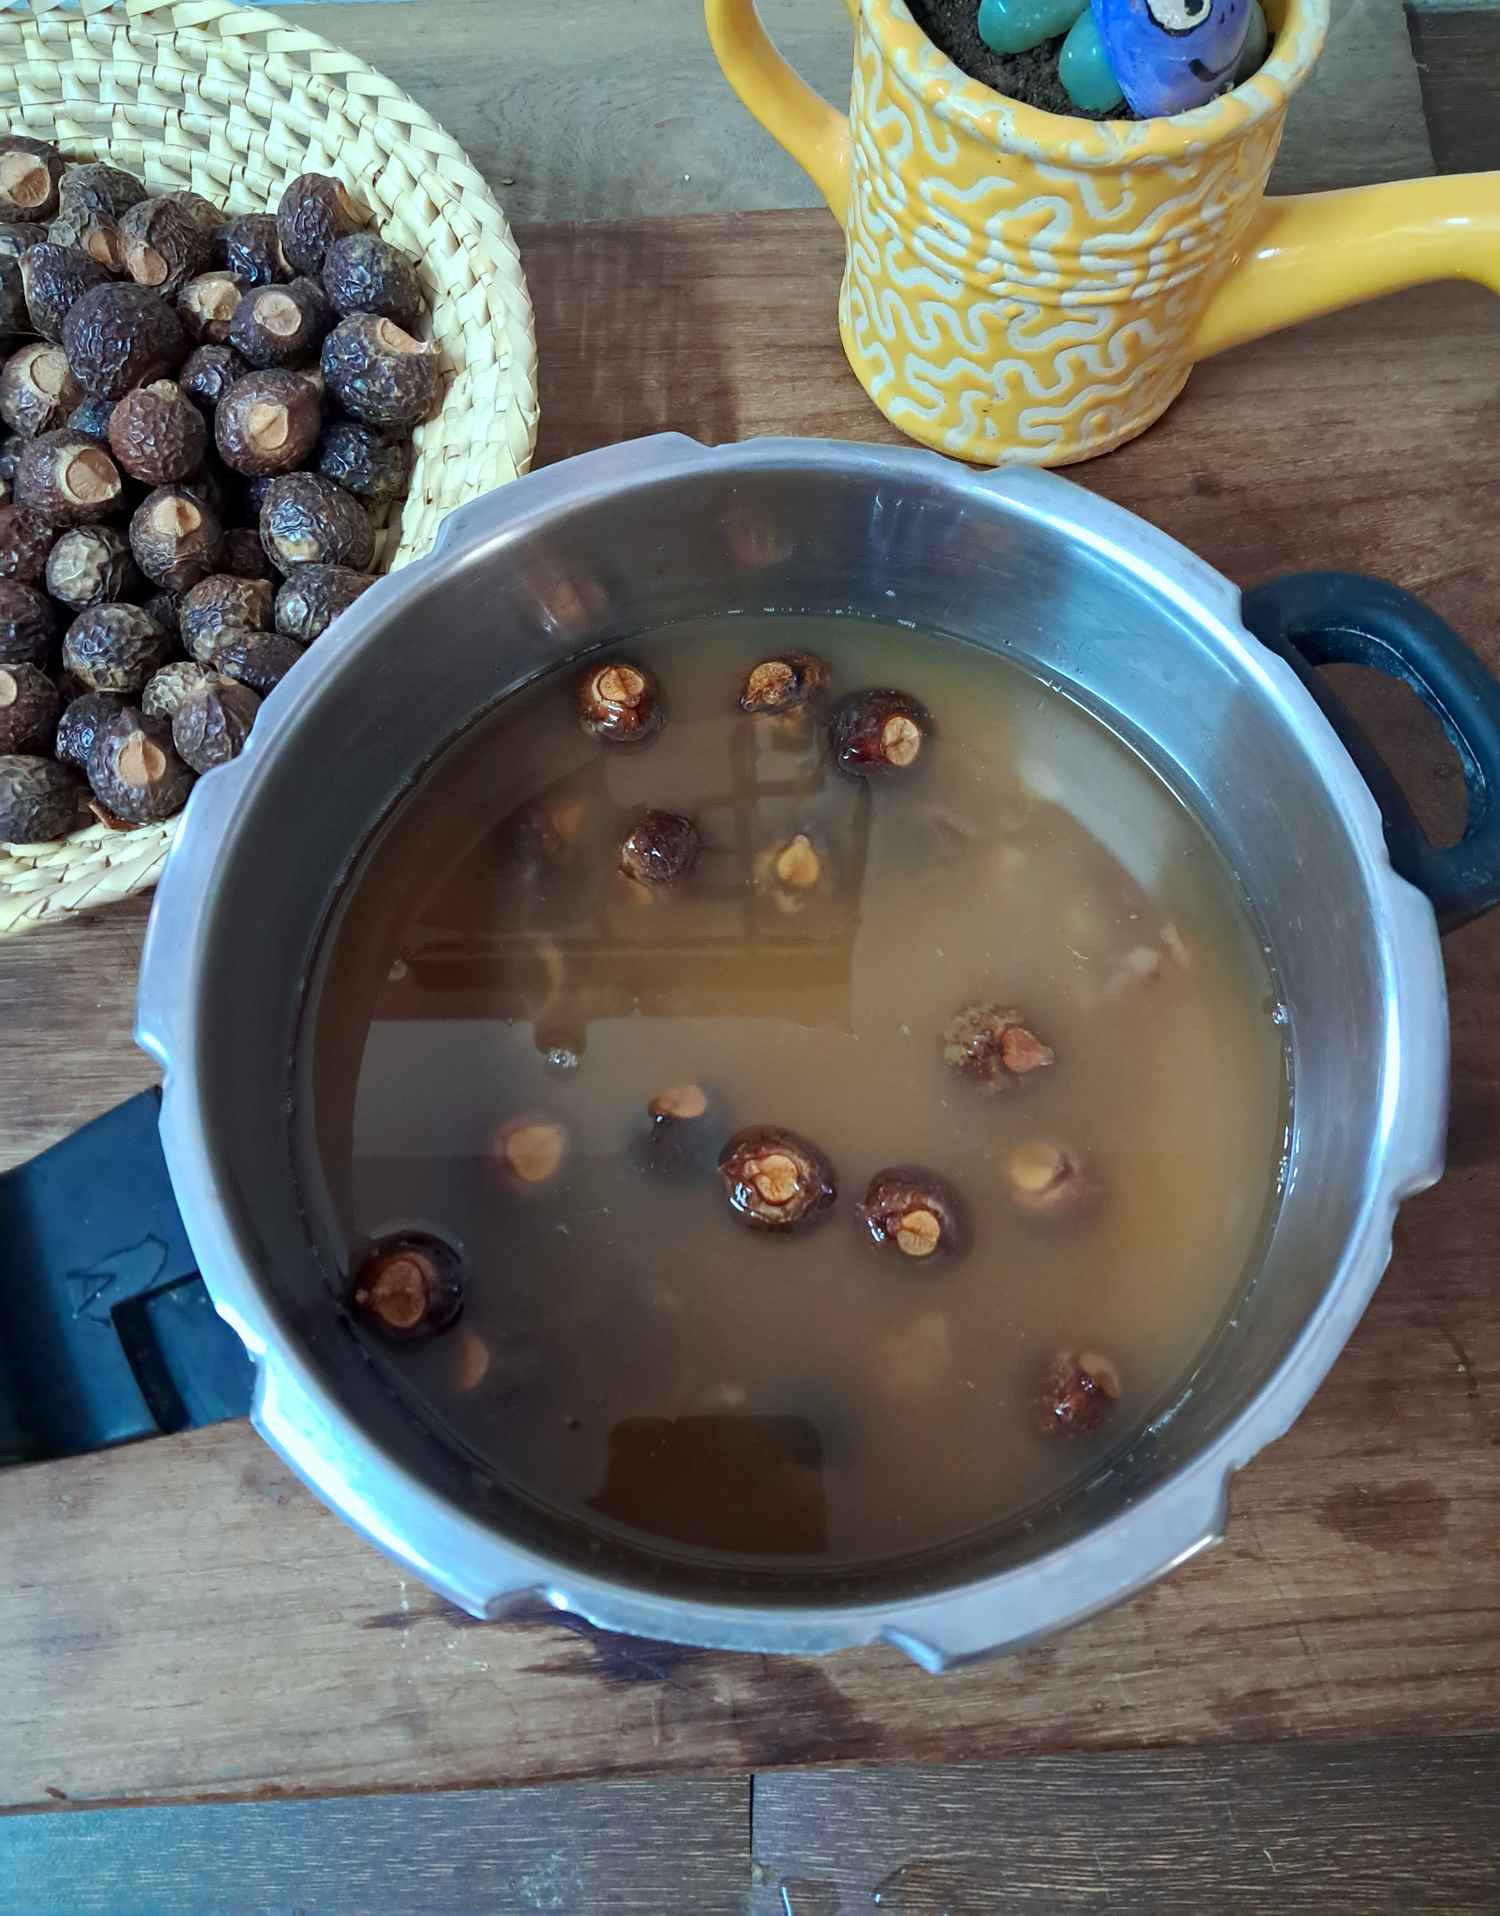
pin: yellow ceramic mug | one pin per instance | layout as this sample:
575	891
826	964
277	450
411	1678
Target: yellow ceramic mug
1024	286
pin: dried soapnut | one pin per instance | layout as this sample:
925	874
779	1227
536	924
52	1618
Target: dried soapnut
29	705
37	391
267	423
620	703
250	248
875	732
992	1044
217	602
114	648
175	538
39	799
530	1151
81	722
166	242
410	1286
244	556
314	596
135	771
280	325
208	305
92	190
370	464
912	1211
89	565
1079	1389
118	336
28	624
774	1179
260	660
213	721
29	174
55	278
67	478
661	849
308	521
157	434
378	373
364	274
314	212
783	684
168	687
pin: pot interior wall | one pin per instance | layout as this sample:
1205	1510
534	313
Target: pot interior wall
944	555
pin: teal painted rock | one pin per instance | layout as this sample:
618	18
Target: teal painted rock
1016	26
1084	69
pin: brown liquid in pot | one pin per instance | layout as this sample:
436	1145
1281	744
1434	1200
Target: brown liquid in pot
628	1347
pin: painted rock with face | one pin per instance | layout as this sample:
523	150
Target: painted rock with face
1171	55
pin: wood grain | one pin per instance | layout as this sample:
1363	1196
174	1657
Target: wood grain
1299	1827
633	1849
183	1620
1458	62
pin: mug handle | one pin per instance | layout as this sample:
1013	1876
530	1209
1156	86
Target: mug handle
1306	254
1343	618
814	133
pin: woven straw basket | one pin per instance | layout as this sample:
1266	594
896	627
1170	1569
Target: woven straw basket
234	104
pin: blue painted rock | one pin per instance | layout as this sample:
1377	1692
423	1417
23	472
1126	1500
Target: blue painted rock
1016	26
1171	55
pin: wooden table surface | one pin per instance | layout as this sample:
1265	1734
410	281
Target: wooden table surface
181	1619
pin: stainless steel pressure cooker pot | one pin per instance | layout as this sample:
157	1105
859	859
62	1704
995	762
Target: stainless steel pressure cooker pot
1217	694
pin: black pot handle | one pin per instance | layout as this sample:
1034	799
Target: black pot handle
1343	618
107	1333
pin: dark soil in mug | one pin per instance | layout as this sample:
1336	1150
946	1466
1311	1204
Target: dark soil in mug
1007	968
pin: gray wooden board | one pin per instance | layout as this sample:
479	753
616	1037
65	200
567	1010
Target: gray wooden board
1458	59
606	109
636	1849
1393	1826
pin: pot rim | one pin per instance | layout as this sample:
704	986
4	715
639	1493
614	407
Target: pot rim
471	1563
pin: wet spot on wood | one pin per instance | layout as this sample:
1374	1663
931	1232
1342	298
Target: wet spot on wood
439	1610
618	1659
796	1713
1395	1519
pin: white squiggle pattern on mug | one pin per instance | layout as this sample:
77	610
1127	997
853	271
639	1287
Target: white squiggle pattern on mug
1008	328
